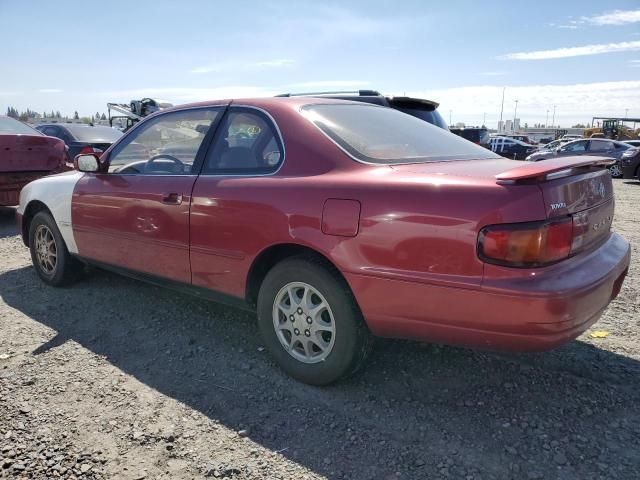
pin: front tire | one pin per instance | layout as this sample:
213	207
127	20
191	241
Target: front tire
310	322
51	259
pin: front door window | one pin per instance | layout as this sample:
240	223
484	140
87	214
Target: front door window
165	145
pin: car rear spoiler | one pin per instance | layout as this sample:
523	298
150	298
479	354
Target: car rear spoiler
550	169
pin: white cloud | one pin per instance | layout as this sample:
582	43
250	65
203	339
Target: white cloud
283	62
617	17
574	103
567	27
573	51
50	90
244	66
331	84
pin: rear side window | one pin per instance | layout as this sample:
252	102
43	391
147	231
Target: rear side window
97	134
386	136
247	143
60	133
600	146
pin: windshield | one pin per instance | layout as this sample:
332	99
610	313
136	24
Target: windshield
98	134
11	126
383	135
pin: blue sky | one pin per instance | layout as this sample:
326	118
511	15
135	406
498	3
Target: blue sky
582	56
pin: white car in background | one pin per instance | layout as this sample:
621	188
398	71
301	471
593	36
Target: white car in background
571	136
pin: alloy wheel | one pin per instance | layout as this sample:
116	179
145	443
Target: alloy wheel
303	322
46	249
615	170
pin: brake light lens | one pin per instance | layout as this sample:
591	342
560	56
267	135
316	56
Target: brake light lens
87	150
530	244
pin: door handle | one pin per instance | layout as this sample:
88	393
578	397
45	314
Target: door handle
171	198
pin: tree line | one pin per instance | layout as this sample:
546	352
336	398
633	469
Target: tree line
29	114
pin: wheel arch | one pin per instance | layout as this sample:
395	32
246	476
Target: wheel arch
32	208
271	256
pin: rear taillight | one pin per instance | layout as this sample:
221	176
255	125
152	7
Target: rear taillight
95	150
531	244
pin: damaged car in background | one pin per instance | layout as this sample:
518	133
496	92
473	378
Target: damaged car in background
26	155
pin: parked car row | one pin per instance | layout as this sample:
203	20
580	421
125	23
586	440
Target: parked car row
478	135
511	148
594	147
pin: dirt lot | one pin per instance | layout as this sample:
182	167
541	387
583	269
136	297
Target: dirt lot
118	379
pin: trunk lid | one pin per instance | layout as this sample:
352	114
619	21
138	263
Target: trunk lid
30	153
569	185
579	187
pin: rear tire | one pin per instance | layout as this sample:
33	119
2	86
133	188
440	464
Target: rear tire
310	322
51	259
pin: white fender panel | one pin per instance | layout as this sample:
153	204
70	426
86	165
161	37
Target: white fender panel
56	193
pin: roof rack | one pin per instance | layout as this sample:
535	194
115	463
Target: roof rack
360	93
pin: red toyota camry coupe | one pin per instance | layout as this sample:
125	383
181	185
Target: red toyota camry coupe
337	222
25	155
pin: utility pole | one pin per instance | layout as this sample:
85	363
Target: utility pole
502	107
546	122
626	110
553	120
484	119
515	114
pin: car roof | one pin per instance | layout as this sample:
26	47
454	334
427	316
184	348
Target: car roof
265	102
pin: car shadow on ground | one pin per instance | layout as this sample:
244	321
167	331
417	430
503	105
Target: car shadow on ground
417	409
8	222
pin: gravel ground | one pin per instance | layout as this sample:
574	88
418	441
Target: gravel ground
118	379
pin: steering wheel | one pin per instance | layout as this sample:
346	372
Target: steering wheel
176	161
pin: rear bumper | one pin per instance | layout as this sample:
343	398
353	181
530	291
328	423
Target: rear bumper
531	313
629	171
11	183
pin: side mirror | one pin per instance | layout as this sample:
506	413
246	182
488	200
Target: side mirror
87	162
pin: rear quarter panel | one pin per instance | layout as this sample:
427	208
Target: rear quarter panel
410	228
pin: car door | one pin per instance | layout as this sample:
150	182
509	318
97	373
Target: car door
134	214
508	148
231	219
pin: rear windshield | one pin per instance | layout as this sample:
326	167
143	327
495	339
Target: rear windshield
97	134
11	126
386	136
